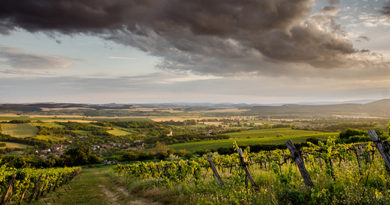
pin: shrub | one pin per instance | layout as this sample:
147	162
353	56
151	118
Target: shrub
346	134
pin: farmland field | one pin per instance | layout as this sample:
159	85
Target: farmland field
49	137
19	130
252	137
47	124
13	145
118	132
262	133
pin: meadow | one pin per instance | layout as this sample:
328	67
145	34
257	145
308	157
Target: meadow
252	137
13	145
22	130
118	132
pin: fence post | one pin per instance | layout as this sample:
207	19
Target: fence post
35	188
245	165
56	184
9	189
381	148
41	189
214	170
320	160
24	189
357	153
296	155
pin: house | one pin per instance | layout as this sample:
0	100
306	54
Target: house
45	151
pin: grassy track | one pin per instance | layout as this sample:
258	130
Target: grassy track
19	130
252	137
95	186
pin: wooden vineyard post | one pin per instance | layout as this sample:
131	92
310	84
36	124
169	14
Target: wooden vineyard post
179	169
9	189
158	170
24	190
320	160
35	189
296	155
151	170
40	190
214	170
381	148
166	171
56	184
244	164
358	154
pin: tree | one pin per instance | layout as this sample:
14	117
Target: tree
351	132
129	156
79	156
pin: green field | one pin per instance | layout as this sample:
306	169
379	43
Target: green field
47	124
49	137
118	132
19	130
253	137
264	133
13	145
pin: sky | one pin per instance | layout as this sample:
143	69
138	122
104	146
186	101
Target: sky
167	51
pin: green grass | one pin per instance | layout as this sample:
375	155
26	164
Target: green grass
13	145
253	137
118	132
6	118
263	133
47	124
49	137
277	184
94	186
19	130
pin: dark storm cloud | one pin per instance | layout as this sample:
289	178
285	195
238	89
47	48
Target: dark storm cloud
209	17
19	59
205	36
386	8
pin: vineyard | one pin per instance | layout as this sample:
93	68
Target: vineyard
19	186
327	173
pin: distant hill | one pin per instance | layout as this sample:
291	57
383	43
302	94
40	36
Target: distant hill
380	108
38	107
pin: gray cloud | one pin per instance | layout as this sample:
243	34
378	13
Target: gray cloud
362	38
199	16
332	2
386	8
204	36
19	59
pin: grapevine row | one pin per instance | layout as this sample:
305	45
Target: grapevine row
324	156
26	185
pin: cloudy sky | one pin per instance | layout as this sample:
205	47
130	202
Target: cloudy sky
158	51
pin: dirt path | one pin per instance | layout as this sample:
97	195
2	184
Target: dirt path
110	196
94	186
